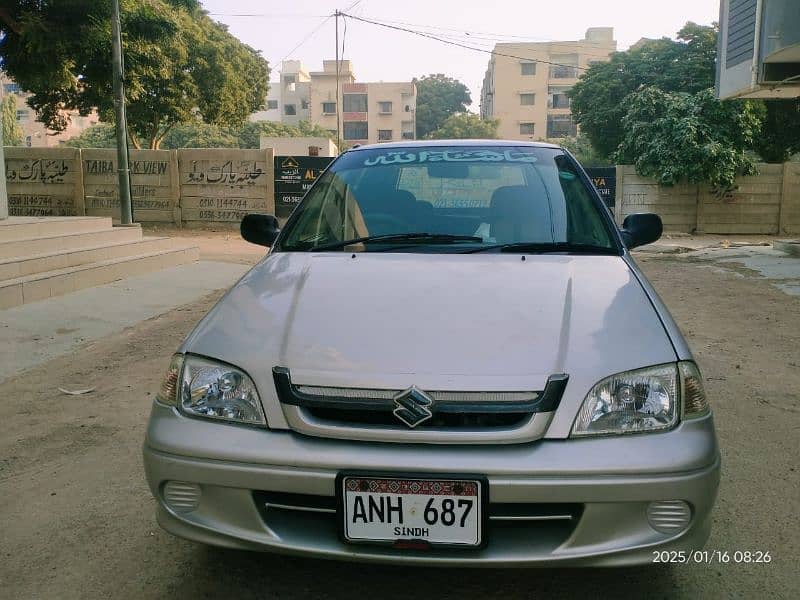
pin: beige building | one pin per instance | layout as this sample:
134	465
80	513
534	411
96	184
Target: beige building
525	84
368	112
34	133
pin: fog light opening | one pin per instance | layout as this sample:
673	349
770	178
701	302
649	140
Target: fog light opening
669	516
181	496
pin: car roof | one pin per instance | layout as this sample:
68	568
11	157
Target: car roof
465	143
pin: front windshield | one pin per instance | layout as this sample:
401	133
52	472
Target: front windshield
457	198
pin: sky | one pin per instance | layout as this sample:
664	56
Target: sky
298	30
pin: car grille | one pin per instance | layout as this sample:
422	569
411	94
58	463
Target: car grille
290	515
413	415
441	421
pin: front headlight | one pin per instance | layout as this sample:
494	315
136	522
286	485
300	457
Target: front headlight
206	388
631	402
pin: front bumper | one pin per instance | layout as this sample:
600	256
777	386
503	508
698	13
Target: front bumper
612	480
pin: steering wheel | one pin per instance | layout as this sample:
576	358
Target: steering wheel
385	224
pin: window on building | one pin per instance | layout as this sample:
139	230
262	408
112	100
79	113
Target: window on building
527	68
526	128
385	108
563	72
527	99
329	108
557	97
408	130
272	105
304	104
11	88
561	126
290	109
289	79
355	130
22	115
384	135
354	103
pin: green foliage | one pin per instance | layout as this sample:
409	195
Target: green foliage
685	65
582	149
204	135
200	135
780	134
101	135
682	66
676	137
12	132
250	133
179	64
464	126
439	97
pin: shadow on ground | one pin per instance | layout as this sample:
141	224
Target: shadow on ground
230	573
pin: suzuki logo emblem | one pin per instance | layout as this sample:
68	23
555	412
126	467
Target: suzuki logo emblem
412	406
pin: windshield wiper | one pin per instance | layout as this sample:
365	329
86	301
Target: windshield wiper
430	238
545	248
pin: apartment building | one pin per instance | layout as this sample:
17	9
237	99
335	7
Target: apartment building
273	107
368	112
34	133
526	84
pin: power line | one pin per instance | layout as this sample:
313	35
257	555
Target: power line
307	37
469	33
266	16
460	45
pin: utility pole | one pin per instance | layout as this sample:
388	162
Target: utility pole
123	168
338	108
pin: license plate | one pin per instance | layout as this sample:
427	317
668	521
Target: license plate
437	511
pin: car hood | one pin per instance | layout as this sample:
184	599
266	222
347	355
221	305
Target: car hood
438	321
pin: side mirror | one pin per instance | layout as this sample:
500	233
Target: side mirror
640	229
259	229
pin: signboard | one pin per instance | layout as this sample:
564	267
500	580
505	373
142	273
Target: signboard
605	180
294	175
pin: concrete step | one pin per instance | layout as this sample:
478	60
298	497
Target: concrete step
21	228
66	242
21	266
39	286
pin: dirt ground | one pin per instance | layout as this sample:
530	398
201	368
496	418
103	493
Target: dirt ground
77	517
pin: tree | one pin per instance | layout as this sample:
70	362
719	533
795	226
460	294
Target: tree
200	135
438	97
204	135
583	151
682	65
685	65
688	137
12	132
462	126
780	133
101	135
179	64
250	133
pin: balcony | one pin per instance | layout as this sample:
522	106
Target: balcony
563	72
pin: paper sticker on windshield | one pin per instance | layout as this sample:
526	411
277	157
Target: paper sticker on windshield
430	156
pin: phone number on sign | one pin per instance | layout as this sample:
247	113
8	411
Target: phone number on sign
711	556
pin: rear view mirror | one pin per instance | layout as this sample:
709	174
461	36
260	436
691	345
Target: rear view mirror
640	229
259	229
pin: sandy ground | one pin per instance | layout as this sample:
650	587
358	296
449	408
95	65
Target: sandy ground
77	517
222	244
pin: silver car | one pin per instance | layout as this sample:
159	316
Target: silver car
447	357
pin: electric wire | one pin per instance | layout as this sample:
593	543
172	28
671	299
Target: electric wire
460	45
